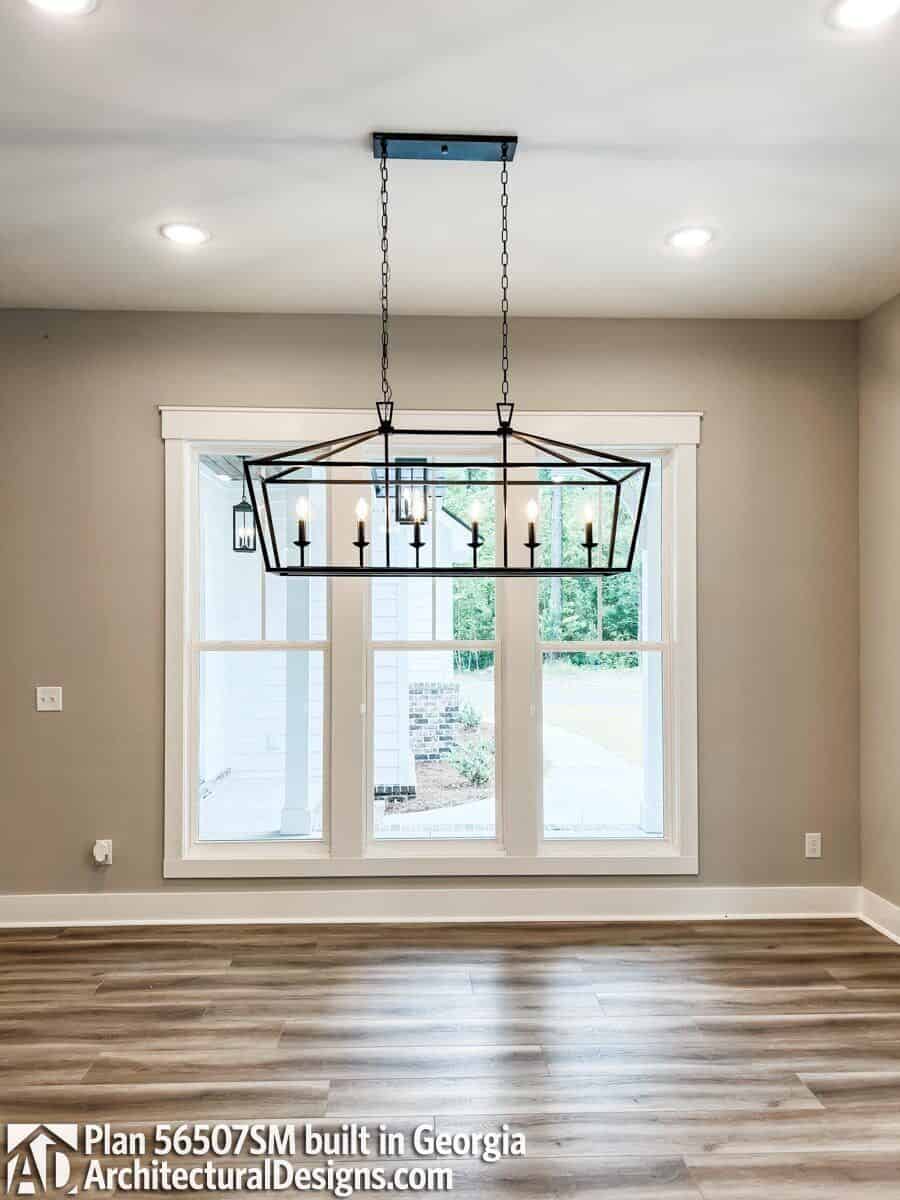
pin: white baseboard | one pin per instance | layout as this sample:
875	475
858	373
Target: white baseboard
410	905
881	914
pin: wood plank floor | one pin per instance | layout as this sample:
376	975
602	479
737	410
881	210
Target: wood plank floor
710	1061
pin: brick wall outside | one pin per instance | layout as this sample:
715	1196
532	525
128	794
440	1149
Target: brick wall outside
433	720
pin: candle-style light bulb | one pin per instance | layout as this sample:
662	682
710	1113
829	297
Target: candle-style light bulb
418	516
589	543
531	512
302	541
406	503
362	511
477	540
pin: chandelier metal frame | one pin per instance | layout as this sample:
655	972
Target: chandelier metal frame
612	554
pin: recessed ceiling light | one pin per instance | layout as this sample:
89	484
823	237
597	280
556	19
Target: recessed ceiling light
223	478
690	240
66	8
185	235
863	14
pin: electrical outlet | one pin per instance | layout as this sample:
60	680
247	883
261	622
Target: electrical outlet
814	845
48	699
103	852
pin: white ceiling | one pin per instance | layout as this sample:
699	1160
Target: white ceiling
252	118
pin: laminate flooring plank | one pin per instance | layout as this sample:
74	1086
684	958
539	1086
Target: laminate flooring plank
848	1176
759	1001
576	1179
182	1101
652	1090
382	1031
729	1131
435	1062
878	1090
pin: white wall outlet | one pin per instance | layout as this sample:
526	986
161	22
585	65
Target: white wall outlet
814	845
103	852
48	699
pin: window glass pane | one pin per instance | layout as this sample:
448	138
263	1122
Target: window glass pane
283	501
612	608
297	609
426	609
569	609
434	755
260	768
603	745
402	611
467	495
234	586
434	609
231	585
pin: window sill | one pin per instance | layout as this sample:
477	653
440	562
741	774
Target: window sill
666	860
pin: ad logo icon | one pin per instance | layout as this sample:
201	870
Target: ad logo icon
38	1160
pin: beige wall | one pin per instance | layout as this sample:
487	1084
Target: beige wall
83	554
879	521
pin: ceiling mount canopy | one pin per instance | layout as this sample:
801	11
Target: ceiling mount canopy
493	467
451	147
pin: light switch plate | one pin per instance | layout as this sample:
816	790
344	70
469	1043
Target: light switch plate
814	845
48	699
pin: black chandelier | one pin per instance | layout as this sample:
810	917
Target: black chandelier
403	489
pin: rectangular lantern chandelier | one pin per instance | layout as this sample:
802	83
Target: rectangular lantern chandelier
406	487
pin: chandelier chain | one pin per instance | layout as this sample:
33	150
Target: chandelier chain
504	274
385	278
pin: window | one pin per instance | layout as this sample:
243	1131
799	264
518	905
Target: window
428	725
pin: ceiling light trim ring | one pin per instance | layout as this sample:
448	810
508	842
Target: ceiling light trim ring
184	233
65	8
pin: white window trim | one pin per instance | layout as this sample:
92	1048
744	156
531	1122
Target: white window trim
520	850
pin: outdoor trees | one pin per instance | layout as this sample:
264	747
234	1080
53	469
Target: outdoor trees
571	609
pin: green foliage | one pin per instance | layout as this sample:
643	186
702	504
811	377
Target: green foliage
568	608
474	761
473	660
474	607
469	716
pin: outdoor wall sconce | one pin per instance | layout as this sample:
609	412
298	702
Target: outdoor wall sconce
243	526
